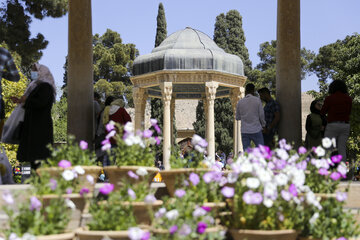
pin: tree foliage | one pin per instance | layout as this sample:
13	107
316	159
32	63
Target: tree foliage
264	74
59	117
341	61
46	8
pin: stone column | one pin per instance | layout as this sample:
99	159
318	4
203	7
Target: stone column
205	106
166	91
138	96
80	71
238	126
288	80
172	121
210	88
235	97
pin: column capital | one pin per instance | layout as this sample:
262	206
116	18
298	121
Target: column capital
138	95
210	88
166	91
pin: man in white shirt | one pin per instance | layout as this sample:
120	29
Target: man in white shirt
251	113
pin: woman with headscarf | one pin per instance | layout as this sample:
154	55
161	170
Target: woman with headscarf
116	112
37	129
315	125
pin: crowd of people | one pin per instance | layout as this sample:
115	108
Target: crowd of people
259	122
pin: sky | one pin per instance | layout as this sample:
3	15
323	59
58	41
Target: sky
322	22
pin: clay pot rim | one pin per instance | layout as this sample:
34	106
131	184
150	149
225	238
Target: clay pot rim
131	167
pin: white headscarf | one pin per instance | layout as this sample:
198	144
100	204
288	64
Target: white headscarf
44	76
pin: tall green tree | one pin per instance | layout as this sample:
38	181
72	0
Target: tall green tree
15	20
157	108
264	74
229	35
341	61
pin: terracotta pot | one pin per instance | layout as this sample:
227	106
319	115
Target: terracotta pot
308	238
84	234
116	174
165	232
63	236
169	176
244	234
93	171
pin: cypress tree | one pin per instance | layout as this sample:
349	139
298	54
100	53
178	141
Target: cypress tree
157	108
220	35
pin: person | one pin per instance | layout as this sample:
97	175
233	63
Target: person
251	113
272	116
37	129
97	110
8	71
116	112
337	107
315	125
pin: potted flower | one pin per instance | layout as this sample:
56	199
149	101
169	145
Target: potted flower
34	220
266	199
182	218
69	155
131	151
193	161
113	220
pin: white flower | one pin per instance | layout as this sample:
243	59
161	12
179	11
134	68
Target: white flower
268	202
264	175
342	169
199	149
282	154
195	139
13	236
246	167
326	142
129	127
150	199
198	212
8	198
160	213
313	218
232	177
70	203
252	182
270	190
110	134
79	170
68	175
90	179
141	171
172	214
135	233
320	151
281	179
28	236
334	142
298	177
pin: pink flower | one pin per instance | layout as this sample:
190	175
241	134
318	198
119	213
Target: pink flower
35	204
228	192
336	158
302	150
83	145
323	171
293	190
64	164
84	191
133	175
145	236
201	227
109	127
173	229
335	176
180	193
194	178
157	129
147	133
158	141
153	121
106	189
68	190
208	209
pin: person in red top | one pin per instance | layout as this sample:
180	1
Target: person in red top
337	106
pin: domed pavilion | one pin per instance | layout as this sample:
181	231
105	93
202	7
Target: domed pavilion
187	65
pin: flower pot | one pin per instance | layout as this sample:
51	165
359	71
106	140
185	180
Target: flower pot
62	236
165	233
308	238
244	234
93	171
141	211
169	176
84	234
116	174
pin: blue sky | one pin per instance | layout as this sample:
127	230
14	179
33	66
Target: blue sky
322	22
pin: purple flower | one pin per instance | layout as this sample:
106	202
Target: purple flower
335	176
194	178
83	145
247	197
302	150
341	196
201	227
180	193
131	193
336	158
280	164
160	213
293	190
64	164
284	145
323	171
251	197
257	198
158	141
84	191
52	184
147	133
228	191
157	128
208	209
150	199
109	127
106	189
35	204
145	236
184	230
301	165
133	175
341	238
69	190
286	195
208	177
173	229
203	143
